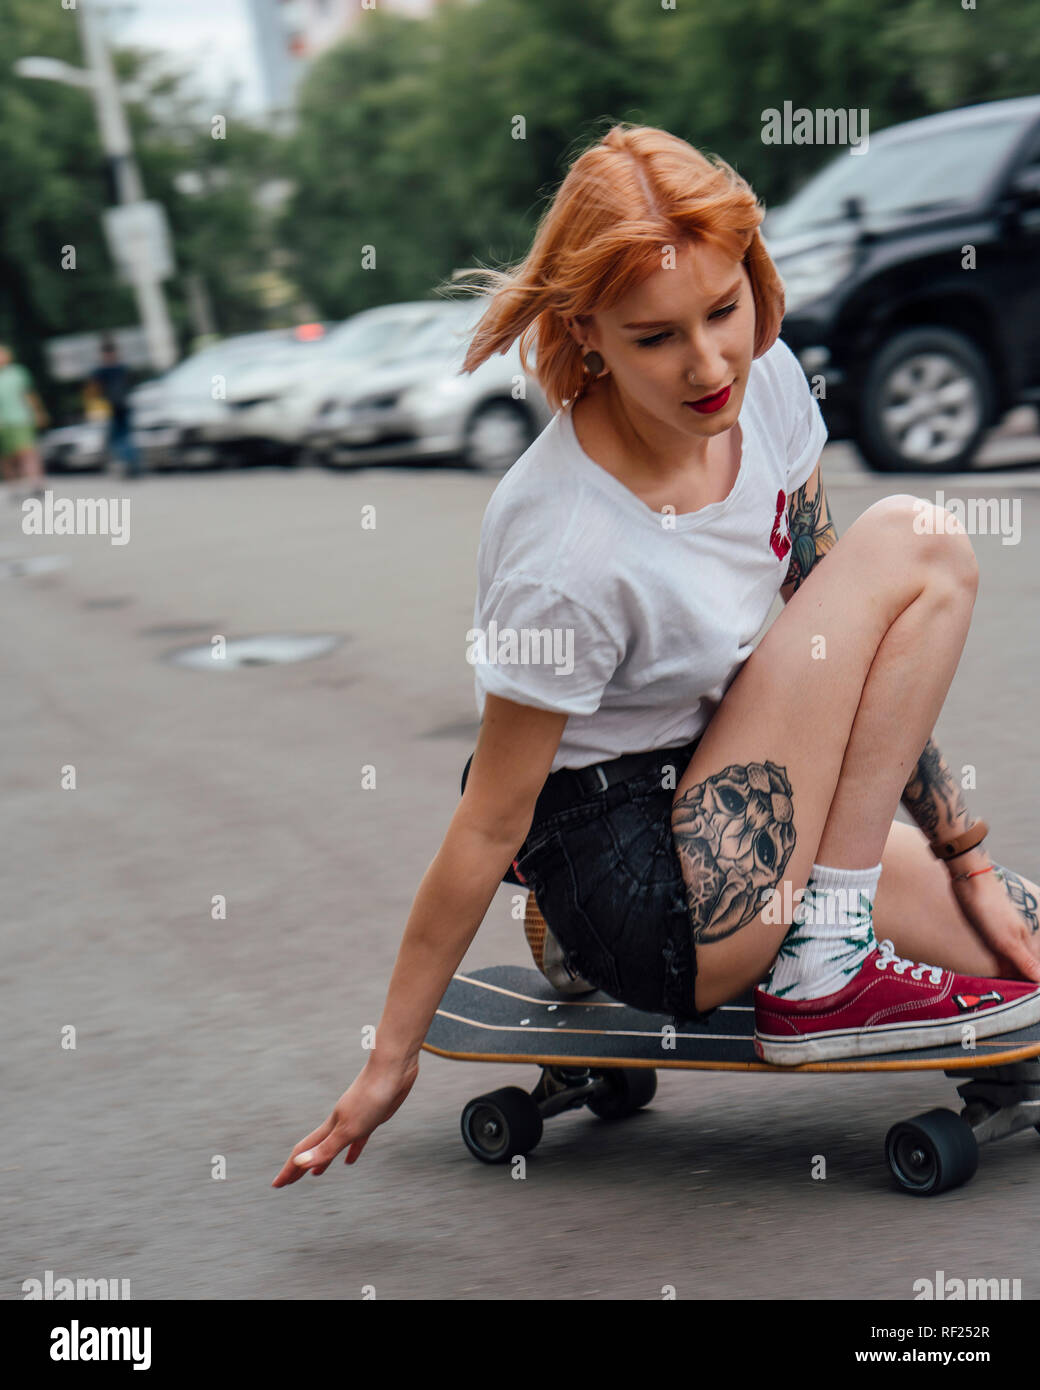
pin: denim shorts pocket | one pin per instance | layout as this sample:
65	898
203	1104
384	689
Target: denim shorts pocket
567	819
558	879
641	831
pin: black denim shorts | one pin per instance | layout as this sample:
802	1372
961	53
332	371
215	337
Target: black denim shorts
607	878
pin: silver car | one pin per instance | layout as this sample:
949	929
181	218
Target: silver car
271	407
180	418
418	406
80	446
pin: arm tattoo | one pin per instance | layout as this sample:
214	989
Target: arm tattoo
932	797
1022	896
813	532
734	833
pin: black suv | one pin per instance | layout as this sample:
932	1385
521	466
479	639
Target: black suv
912	272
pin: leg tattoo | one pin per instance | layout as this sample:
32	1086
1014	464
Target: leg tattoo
734	834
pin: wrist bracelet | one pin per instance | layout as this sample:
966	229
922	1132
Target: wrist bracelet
988	870
960	844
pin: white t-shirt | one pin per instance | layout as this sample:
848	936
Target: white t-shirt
591	603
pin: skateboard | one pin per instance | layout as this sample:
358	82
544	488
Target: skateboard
599	1053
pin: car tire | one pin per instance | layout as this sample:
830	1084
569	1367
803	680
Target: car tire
926	402
496	435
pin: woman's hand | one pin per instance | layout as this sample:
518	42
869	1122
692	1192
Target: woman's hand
376	1093
1002	906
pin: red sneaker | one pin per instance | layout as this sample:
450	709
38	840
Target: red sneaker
885	1009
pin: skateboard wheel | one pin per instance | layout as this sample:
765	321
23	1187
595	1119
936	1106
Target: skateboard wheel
627	1090
932	1153
502	1124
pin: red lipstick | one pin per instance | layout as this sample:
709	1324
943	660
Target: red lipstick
708	404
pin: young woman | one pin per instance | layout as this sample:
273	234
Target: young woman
692	812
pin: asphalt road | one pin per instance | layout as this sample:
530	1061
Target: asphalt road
200	1040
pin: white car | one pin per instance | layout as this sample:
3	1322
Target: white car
179	419
271	406
418	406
79	446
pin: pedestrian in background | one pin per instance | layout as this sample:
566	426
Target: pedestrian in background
111	383
21	414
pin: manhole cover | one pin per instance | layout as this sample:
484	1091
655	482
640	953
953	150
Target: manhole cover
31	564
271	649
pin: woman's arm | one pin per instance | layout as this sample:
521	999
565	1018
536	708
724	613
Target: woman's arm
514	752
451	903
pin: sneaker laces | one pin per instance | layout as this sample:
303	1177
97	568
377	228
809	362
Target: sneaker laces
887	956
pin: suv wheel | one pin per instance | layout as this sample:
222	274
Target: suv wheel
496	436
927	401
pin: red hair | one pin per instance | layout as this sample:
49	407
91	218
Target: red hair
625	198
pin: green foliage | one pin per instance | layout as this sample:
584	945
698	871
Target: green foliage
407	138
406	141
53	188
56	186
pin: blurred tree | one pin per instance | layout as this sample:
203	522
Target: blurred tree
721	65
211	174
407	140
428	139
53	190
438	142
55	187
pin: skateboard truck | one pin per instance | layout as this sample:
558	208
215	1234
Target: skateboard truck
502	1124
1002	1101
562	1088
940	1149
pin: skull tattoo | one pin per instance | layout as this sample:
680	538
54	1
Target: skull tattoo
734	834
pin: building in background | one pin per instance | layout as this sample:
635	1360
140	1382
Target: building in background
290	34
275	55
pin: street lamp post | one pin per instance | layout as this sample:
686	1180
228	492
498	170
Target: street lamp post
99	78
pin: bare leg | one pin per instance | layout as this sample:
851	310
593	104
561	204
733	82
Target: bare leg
31	467
875	634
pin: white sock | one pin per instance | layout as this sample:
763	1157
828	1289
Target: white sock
831	935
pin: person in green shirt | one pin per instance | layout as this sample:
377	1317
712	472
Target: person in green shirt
21	414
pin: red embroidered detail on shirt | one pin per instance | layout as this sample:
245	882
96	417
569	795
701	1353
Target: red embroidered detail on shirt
780	536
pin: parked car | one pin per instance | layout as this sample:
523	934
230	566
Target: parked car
271	406
179	418
82	446
912	274
418	406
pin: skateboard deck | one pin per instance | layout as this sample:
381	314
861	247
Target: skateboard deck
509	1013
598	1053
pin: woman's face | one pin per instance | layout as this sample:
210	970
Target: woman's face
684	334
